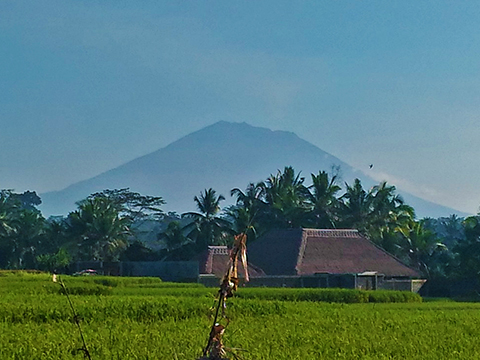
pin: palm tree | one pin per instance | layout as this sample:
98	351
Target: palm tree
207	227
378	213
21	229
356	206
286	198
9	210
420	247
209	203
389	214
324	203
177	245
453	230
173	236
55	235
250	199
242	220
385	202
100	231
249	208
28	239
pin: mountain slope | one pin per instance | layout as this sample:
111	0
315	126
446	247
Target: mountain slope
222	156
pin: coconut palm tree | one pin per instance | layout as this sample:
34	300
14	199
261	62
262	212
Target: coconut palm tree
28	239
323	200
379	213
247	212
101	233
206	226
286	198
386	202
356	206
419	247
251	199
389	215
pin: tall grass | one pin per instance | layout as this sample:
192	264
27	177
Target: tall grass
347	296
148	319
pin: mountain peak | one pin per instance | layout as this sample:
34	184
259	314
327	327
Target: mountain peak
222	156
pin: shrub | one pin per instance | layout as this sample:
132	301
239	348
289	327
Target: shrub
347	296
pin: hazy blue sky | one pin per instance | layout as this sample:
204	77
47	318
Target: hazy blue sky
88	85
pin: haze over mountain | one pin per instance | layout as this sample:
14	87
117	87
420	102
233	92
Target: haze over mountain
221	156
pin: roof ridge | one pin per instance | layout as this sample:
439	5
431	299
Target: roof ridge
301	251
218	250
209	263
331	232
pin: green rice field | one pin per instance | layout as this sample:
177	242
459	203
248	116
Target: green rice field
144	318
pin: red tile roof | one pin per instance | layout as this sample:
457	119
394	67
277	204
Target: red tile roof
311	251
215	261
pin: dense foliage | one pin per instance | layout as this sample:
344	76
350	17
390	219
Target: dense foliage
119	224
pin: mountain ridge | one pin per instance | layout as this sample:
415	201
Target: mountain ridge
222	156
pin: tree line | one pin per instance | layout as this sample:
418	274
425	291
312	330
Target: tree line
111	225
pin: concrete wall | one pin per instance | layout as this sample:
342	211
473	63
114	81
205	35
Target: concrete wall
188	271
344	281
413	285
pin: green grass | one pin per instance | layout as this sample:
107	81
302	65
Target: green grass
148	319
346	296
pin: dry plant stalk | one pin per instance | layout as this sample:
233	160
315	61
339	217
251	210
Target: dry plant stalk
215	350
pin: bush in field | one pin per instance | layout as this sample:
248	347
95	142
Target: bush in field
379	296
347	296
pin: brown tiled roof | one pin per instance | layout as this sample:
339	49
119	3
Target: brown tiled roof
311	251
215	261
276	252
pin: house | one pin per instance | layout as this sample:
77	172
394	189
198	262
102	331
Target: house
321	258
213	265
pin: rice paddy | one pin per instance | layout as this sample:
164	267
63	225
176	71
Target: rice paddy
144	318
